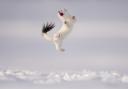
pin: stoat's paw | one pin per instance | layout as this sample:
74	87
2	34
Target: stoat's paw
62	50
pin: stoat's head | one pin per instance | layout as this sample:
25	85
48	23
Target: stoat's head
64	16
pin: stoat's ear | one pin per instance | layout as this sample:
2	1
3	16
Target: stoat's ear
73	17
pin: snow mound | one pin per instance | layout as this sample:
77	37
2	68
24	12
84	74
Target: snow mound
37	77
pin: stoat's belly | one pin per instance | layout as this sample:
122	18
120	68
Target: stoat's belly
65	31
62	33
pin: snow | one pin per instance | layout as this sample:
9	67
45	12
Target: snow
37	77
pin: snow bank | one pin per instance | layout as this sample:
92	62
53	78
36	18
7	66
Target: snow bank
37	77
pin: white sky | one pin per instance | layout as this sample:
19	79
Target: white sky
100	36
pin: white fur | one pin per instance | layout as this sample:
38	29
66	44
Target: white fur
67	25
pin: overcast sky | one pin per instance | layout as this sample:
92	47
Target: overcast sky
99	38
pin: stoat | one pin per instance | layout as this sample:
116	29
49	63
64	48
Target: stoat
67	26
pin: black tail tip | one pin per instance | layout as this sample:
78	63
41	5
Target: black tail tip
47	27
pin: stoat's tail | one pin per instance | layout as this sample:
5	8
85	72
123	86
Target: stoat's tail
46	28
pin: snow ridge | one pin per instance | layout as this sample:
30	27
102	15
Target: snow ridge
37	77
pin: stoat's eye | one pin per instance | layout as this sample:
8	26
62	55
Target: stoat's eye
65	22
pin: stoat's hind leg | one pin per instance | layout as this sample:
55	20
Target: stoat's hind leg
58	46
58	42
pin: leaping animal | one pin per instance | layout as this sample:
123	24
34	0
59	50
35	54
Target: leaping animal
67	26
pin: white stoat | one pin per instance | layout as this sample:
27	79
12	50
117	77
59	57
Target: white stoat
67	25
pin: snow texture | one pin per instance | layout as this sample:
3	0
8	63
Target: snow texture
37	77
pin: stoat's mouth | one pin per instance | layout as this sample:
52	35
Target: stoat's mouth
60	13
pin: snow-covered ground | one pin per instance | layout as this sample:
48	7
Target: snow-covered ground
64	80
